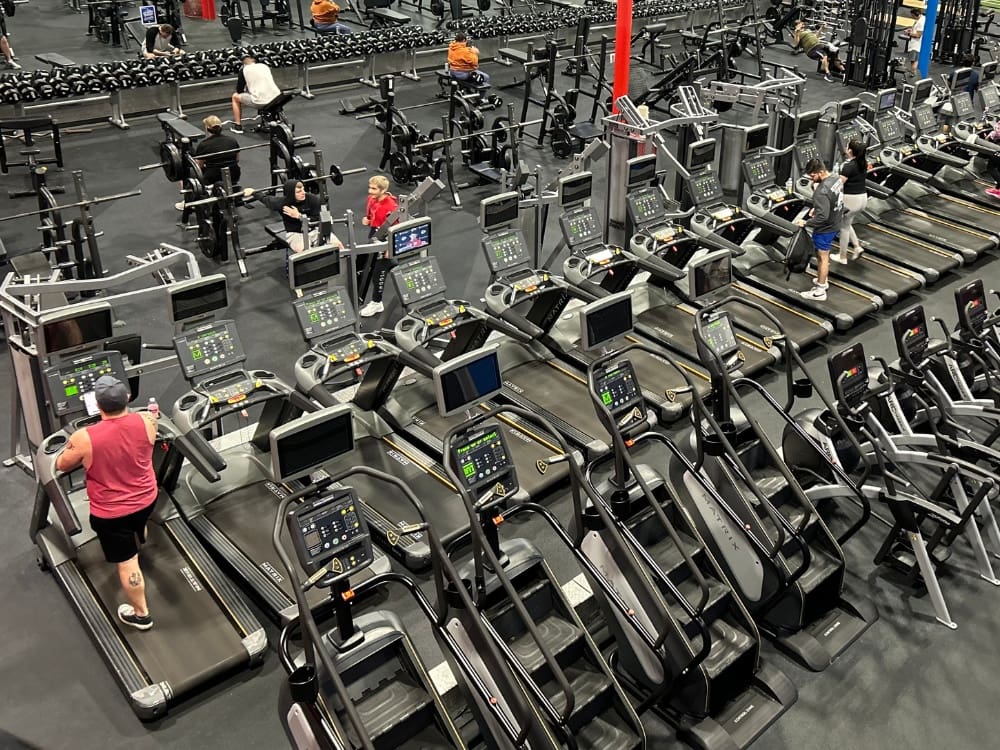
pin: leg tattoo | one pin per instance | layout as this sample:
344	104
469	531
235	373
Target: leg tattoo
135	579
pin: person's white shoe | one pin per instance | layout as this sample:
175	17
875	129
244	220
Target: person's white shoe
838	258
13	65
856	253
372	309
817	293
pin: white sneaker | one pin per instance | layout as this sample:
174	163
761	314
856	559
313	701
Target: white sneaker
179	206
856	253
372	309
838	258
13	65
817	293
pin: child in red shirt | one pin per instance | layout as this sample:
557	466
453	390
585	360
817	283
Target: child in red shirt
380	204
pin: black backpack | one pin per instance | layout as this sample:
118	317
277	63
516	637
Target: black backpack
798	253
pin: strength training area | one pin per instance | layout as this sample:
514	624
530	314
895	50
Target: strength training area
500	374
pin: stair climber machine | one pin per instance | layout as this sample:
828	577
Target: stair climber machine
950	159
344	365
686	272
786	563
707	678
515	596
761	264
925	521
232	514
436	328
596	269
914	206
361	683
765	199
543	305
204	629
922	250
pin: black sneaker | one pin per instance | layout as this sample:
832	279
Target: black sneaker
127	615
238	129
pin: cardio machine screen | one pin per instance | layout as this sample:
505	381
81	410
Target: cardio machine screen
959	80
970	299
705	189
78	331
581	227
209	348
644	205
886	101
700	153
331	529
303	446
961	104
806	152
313	267
989	98
323	311
718	334
758	172
418	280
505	249
482	457
848	367
889	130
849	110
498	211
466	381
71	384
409	238
910	329
617	386
711	273
604	321
641	171
575	189
197	300
756	137
808	123
923	117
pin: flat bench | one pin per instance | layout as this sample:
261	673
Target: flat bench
55	60
383	18
445	78
178	129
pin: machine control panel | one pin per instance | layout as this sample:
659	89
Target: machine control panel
890	132
970	299
528	282
849	368
418	280
230	389
70	383
718	333
961	104
924	119
617	387
910	330
505	249
348	349
603	256
484	463
330	531
645	205
208	348
323	311
758	171
441	316
806	152
581	227
705	189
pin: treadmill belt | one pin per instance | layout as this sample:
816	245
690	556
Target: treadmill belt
843	305
963	211
801	327
941	231
192	639
558	391
917	254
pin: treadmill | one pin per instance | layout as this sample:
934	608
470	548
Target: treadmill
761	265
888	280
678	265
921	254
203	627
912	207
234	515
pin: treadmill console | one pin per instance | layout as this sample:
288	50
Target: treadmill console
617	388
890	132
70	382
845	134
970	299
330	531
229	388
417	280
758	173
910	331
848	368
644	205
717	334
705	189
961	105
924	119
505	249
484	464
209	348
527	281
581	227
347	349
806	152
323	311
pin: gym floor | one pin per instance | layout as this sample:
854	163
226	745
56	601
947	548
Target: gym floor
908	682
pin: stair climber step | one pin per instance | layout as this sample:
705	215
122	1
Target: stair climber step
718	601
393	704
590	693
601	734
770	482
821	566
669	557
558	634
729	643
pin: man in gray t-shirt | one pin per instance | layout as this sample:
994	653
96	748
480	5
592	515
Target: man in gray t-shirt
824	221
160	42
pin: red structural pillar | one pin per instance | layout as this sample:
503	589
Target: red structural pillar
623	48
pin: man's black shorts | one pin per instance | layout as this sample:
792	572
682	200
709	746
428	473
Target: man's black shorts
121	537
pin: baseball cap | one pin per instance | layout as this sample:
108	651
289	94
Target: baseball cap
112	394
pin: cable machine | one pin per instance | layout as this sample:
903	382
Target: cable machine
955	29
870	43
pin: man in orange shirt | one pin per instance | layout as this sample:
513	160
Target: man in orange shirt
326	18
463	60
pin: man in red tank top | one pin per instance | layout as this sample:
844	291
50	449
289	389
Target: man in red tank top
117	455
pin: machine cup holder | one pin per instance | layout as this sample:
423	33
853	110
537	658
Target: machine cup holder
407	324
802	388
495	290
55	443
701	218
187	401
451	593
713	442
309	360
303	685
262	375
639	240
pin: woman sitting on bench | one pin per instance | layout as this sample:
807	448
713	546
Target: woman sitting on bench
294	204
326	18
463	60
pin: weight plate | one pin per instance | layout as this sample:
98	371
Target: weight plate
297	169
335	175
561	142
400	168
500	135
172	161
282	134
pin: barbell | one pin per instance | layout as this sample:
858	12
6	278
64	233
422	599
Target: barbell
172	159
336	176
79	204
465	136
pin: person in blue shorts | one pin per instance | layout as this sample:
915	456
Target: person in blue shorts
824	221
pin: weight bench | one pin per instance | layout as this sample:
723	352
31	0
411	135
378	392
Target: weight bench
276	231
274	111
469	87
383	18
178	129
55	60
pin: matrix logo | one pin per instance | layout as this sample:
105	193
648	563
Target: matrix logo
515	388
272	571
190	578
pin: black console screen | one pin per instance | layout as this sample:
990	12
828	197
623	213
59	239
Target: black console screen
581	227
482	459
962	104
848	367
718	334
418	280
970	299
705	188
644	205
331	529
70	382
617	386
506	249
910	329
889	129
323	311
758	172
208	348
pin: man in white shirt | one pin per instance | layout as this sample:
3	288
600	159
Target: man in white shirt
255	87
913	41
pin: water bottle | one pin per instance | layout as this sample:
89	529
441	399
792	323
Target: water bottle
153	408
788	185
